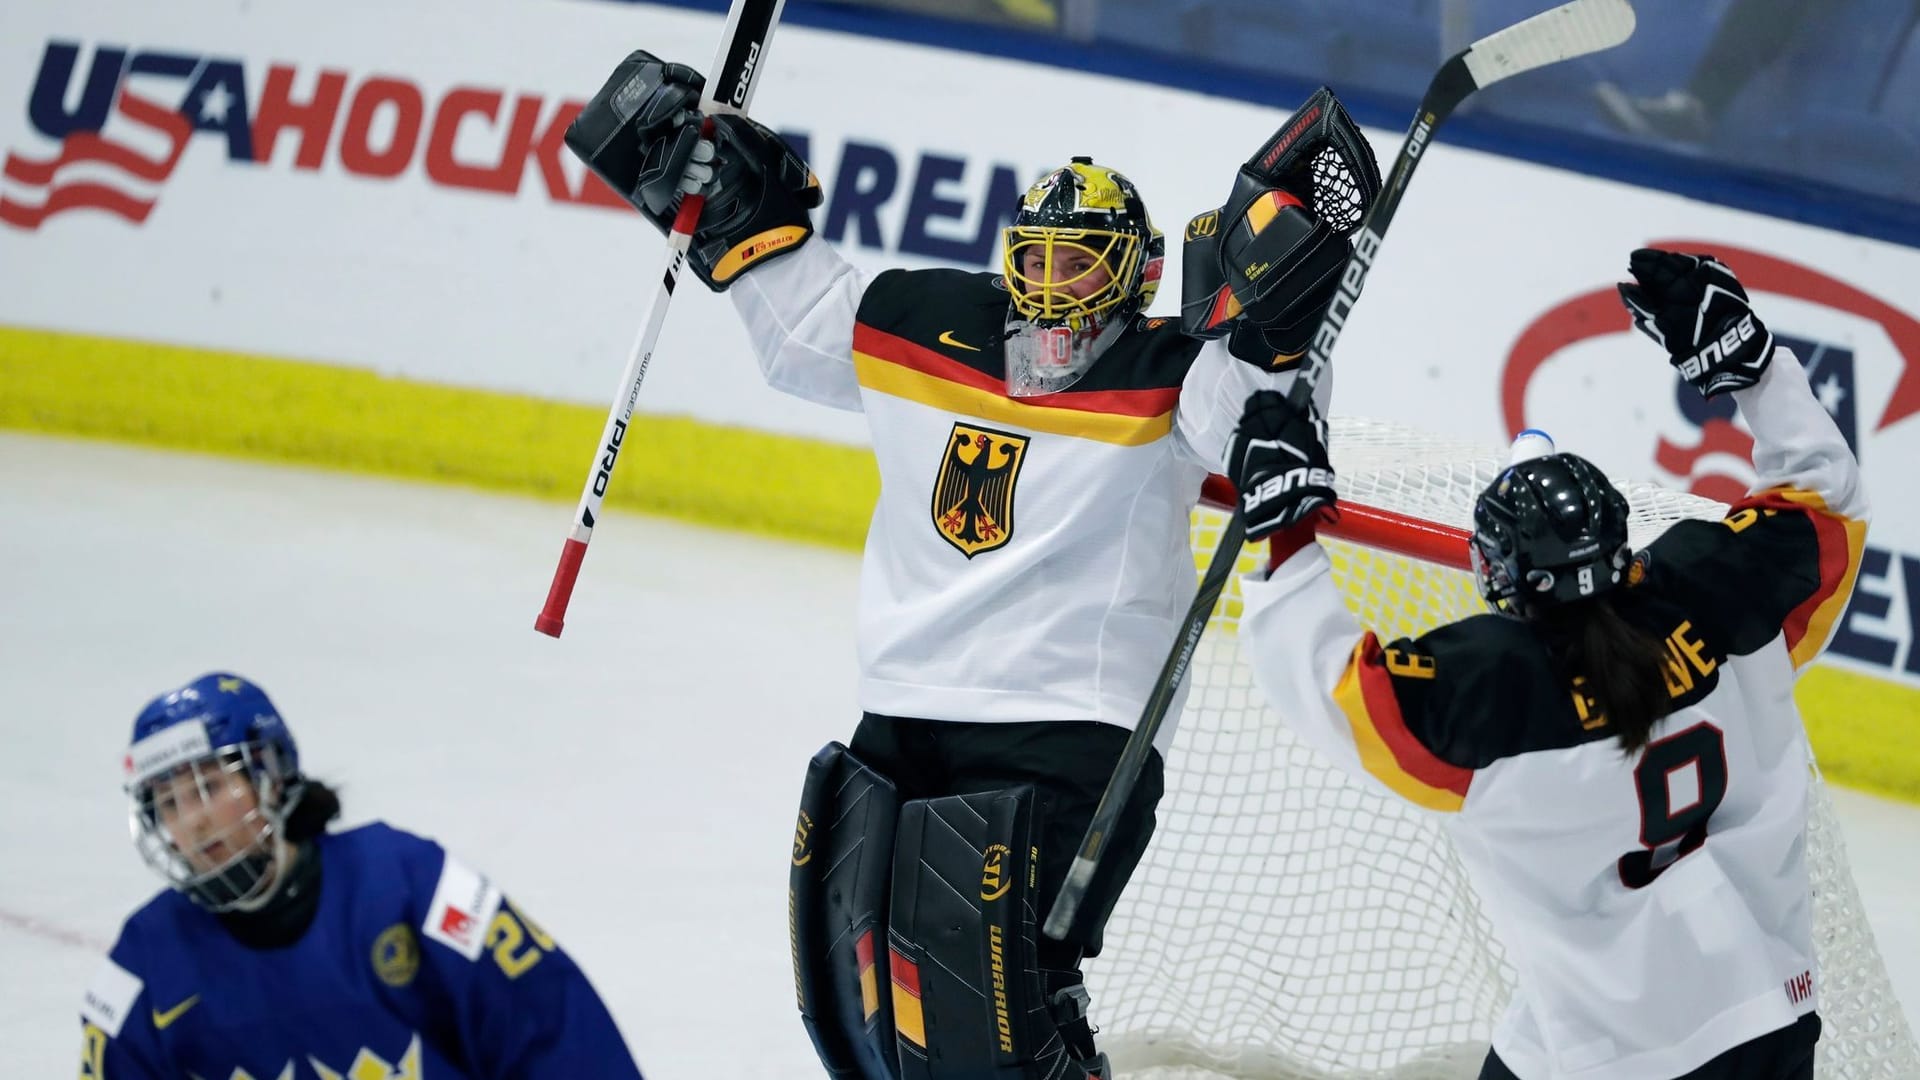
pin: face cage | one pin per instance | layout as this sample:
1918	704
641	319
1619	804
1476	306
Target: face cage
1494	579
246	878
1039	301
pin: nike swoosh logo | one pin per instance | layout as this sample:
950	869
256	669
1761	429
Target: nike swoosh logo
164	1020
947	338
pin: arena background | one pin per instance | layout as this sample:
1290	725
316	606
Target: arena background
311	242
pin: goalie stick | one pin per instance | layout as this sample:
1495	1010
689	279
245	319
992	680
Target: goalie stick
729	88
1573	29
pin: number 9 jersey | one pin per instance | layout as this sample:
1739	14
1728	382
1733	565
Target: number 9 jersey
412	965
1655	905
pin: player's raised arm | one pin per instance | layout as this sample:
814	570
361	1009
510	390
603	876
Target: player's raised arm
1376	711
642	135
1785	558
1259	271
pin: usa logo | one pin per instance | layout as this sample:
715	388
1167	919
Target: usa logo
112	124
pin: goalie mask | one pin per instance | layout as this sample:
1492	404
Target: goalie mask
1548	530
1081	258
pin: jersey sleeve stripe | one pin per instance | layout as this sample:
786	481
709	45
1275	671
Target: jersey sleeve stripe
1841	543
1388	749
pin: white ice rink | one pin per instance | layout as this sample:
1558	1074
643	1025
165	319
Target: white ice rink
632	784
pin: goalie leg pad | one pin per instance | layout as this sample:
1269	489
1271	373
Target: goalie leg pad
970	1002
836	914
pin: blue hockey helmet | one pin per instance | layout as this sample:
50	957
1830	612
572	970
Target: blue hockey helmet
212	772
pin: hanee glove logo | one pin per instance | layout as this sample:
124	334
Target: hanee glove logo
1720	348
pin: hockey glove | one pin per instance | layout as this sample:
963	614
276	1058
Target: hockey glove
1277	460
640	132
1695	308
757	202
1265	265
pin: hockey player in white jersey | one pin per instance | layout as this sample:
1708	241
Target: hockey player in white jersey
1619	743
1040	442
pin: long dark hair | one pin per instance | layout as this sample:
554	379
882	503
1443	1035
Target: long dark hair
315	805
1624	667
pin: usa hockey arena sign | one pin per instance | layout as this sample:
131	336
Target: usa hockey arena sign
382	187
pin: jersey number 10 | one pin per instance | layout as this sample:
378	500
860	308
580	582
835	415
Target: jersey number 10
1669	827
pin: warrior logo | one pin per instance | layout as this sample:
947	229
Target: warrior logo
973	494
994	881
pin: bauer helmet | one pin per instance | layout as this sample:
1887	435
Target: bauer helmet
1080	259
1547	531
212	774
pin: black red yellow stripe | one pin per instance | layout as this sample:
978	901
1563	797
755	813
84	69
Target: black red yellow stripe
1388	749
909	1022
890	364
1841	541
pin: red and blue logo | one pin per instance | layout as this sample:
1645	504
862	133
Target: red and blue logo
1870	386
116	131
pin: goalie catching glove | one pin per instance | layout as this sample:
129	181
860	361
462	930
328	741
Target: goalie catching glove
1264	267
641	134
1277	460
1695	308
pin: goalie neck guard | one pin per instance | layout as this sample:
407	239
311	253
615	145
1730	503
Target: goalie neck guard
1548	530
1080	259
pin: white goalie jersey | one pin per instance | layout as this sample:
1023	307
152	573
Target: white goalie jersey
1655	906
1029	557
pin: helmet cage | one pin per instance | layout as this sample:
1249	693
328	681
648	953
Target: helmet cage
1043	297
251	847
1081	211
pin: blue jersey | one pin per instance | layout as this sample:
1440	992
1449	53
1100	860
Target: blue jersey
414	966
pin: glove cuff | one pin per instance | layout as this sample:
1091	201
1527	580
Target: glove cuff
1285	543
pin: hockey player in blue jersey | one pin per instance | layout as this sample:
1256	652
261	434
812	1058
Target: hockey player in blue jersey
286	951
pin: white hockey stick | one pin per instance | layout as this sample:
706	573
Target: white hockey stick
1570	30
730	85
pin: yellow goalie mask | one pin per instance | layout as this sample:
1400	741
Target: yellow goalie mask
1081	258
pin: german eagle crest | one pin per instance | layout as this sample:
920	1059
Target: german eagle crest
973	494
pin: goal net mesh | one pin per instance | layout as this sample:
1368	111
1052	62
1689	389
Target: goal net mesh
1288	922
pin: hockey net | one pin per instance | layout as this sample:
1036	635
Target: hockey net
1288	922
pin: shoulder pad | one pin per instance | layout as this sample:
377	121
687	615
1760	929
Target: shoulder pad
464	904
110	996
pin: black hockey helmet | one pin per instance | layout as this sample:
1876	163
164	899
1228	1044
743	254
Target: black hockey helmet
1547	531
1091	211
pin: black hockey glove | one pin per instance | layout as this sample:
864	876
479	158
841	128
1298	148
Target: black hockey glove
1278	462
1265	265
640	132
1695	308
757	202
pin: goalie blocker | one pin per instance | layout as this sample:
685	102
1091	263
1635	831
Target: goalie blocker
641	132
914	929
